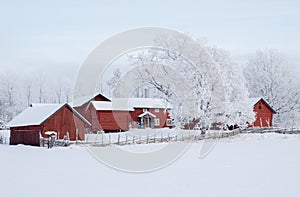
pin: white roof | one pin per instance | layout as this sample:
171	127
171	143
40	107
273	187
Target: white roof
146	103
147	113
253	101
111	106
82	100
34	115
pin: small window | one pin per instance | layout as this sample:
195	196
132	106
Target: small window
156	110
259	107
156	121
144	110
169	122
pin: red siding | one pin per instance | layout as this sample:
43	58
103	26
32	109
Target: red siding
65	121
263	115
134	114
114	120
162	115
83	109
27	135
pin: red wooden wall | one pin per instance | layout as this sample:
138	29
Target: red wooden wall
65	121
84	110
114	120
27	135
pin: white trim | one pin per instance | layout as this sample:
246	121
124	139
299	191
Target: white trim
146	113
156	122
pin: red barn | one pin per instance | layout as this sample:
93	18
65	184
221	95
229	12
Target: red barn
34	121
264	113
82	104
109	116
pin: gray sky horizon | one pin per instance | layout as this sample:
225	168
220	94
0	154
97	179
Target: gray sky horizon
57	36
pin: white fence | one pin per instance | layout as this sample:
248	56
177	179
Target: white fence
146	136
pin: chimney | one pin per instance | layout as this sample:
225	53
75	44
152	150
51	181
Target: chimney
146	93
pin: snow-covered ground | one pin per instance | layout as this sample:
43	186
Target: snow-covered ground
244	165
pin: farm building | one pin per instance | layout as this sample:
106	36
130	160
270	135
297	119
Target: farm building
109	116
82	104
37	119
264	113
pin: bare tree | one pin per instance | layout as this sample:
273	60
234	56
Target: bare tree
113	81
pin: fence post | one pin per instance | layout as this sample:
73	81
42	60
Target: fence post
147	137
76	135
119	139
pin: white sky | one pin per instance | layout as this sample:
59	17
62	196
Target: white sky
56	36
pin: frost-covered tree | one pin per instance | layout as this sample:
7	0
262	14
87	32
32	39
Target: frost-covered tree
238	109
9	97
168	69
270	76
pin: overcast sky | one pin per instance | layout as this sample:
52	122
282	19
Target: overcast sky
58	35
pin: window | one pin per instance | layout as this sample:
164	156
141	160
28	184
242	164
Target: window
144	110
156	121
259	106
169	122
156	110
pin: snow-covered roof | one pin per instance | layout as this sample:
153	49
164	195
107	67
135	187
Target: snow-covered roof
111	106
36	114
253	101
146	103
85	99
147	113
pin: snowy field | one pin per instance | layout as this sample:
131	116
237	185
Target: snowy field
244	165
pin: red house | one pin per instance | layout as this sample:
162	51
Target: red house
264	113
34	121
150	112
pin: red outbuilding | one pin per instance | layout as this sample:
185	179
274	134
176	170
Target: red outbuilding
82	104
264	113
109	116
37	119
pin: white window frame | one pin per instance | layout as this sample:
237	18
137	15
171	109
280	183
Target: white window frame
156	110
169	122
156	122
144	110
